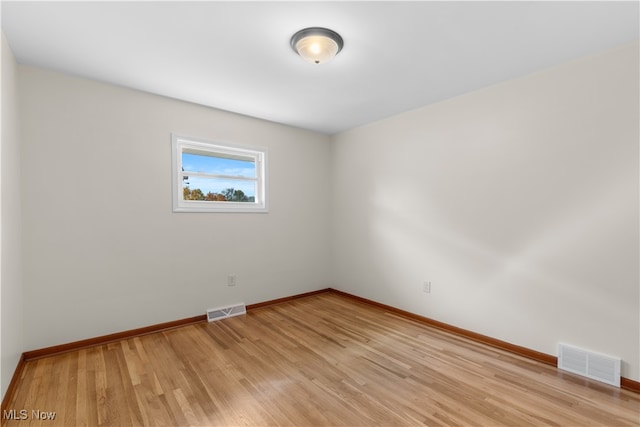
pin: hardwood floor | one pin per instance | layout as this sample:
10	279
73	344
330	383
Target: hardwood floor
316	361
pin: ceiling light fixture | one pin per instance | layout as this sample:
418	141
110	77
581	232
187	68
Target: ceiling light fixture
317	45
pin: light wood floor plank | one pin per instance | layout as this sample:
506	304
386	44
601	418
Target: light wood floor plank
321	360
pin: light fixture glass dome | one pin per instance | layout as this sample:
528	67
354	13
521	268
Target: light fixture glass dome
317	45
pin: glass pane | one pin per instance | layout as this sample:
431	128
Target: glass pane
218	190
218	165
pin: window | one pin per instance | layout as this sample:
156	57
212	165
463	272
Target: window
211	177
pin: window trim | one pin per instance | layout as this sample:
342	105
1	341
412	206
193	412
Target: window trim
180	143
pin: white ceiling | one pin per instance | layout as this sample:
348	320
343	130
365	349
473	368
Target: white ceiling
236	55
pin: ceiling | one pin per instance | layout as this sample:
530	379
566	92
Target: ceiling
236	56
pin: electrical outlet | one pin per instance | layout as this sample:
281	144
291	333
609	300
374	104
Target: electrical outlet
426	287
231	280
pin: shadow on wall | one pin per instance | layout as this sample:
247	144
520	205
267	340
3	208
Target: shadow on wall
561	278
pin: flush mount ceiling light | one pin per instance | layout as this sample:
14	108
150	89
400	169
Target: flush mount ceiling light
317	45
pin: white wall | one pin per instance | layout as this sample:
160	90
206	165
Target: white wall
11	310
103	251
519	202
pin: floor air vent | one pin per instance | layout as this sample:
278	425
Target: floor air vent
224	312
589	364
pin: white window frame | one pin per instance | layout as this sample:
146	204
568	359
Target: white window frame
259	155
